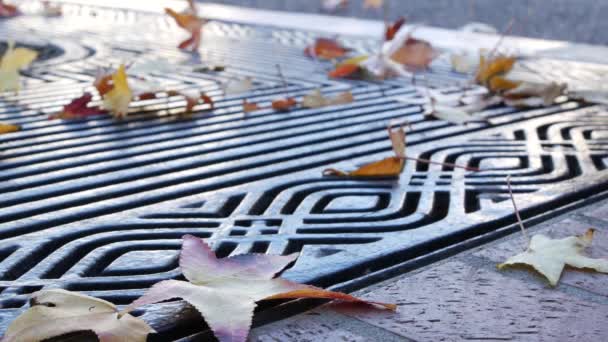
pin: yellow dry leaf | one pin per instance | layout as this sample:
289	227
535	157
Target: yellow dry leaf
388	167
489	69
550	256
13	61
118	99
8	128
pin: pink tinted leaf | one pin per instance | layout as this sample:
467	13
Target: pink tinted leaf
228	314
199	263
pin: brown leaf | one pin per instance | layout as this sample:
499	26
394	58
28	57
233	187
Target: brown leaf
284	105
392	29
414	54
388	167
344	70
326	48
78	109
191	23
249	107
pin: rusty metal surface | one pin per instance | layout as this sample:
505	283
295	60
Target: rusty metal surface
100	205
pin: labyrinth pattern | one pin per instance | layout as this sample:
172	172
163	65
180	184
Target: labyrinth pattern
100	205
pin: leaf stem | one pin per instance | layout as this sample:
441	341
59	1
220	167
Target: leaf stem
519	221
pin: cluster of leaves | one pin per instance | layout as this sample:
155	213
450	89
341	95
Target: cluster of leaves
400	55
224	291
117	94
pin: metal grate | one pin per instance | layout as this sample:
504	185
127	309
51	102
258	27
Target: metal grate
100	205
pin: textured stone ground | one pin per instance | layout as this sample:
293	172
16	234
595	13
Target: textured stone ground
573	20
465	298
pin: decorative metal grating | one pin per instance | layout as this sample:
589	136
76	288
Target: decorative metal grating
100	205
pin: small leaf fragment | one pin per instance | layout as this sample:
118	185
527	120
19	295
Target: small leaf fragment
325	48
388	167
528	94
190	22
78	108
493	67
316	99
284	105
8	128
549	256
249	107
58	312
392	29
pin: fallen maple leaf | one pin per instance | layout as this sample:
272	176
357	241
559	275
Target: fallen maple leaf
414	54
190	22
549	256
58	312
7	10
8	128
14	59
249	107
392	29
388	167
78	109
284	105
325	48
117	100
316	99
225	291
